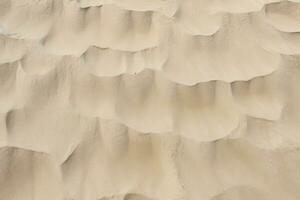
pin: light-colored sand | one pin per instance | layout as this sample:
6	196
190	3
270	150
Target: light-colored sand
149	100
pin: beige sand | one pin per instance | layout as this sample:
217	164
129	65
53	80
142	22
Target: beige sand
149	100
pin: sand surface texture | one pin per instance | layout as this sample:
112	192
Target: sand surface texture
149	100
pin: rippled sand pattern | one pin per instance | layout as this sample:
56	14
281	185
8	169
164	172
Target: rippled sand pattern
149	100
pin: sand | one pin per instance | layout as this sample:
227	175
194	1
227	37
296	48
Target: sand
149	100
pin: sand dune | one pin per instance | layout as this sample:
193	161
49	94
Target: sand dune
149	99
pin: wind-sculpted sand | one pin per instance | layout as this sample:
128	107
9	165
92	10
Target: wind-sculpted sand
149	100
